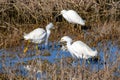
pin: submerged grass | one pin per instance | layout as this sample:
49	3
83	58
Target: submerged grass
102	24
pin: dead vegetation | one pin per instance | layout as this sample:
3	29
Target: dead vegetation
102	16
18	16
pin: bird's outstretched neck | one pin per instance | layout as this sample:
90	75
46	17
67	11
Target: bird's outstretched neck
47	36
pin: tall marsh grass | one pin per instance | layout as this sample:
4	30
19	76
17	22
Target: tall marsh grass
16	16
19	16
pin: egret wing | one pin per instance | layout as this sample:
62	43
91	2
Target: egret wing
38	33
74	17
81	49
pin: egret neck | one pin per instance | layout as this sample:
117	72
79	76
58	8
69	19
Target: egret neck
69	47
69	44
47	36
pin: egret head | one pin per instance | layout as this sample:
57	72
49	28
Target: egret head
66	39
50	26
63	11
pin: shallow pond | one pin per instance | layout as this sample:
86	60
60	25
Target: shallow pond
108	54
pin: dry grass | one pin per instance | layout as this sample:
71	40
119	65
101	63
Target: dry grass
19	16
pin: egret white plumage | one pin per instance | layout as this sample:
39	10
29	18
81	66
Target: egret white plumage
39	35
78	48
72	17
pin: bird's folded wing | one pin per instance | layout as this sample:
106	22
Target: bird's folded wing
38	33
74	17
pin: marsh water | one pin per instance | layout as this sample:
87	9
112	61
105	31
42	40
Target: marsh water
12	56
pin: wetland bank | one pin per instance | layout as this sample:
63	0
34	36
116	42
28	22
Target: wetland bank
102	32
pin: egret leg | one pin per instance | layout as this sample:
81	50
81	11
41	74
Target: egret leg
47	46
88	61
39	47
72	28
76	27
36	47
74	63
79	28
98	69
83	64
26	48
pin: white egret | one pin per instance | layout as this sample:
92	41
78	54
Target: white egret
78	48
72	17
39	35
